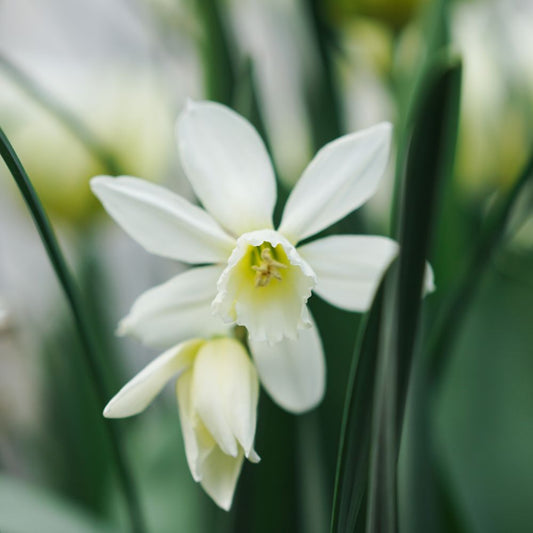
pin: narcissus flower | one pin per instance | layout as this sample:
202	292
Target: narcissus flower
217	391
259	278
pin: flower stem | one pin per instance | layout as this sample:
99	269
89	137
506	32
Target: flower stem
80	319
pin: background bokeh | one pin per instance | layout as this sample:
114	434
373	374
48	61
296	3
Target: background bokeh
94	87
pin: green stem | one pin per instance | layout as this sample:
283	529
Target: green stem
71	292
69	120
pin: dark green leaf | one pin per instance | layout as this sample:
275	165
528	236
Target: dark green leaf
429	162
353	457
322	93
267	496
81	321
438	512
246	99
217	49
454	309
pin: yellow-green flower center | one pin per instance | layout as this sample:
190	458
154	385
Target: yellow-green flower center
265	264
265	287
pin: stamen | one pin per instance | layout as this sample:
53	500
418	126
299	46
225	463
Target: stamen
267	269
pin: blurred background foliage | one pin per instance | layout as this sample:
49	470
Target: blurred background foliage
94	87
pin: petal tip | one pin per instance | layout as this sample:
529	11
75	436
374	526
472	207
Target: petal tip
224	505
123	328
108	411
97	181
190	104
383	130
253	456
301	408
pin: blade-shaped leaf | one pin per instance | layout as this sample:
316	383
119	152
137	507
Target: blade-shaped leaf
435	508
352	466
429	161
454	309
323	100
80	318
429	164
246	99
217	50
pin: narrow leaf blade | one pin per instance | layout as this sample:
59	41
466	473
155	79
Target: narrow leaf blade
429	162
352	466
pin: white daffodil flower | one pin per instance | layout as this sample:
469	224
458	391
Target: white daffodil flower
217	390
259	277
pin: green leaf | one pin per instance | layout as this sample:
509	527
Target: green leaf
454	309
217	49
246	100
27	509
429	162
322	92
429	165
353	457
267	495
435	509
81	322
436	32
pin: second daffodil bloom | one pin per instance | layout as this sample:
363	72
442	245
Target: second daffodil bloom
217	390
258	276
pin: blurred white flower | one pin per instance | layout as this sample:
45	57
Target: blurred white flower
495	133
260	280
217	391
128	114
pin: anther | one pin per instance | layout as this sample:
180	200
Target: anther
267	269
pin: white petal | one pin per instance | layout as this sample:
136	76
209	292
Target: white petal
349	268
225	391
217	472
163	222
270	312
220	473
342	176
176	310
292	371
135	396
227	165
198	441
253	457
